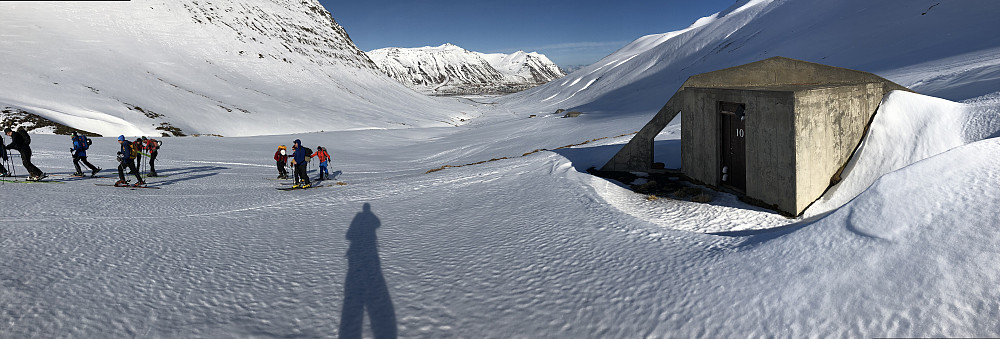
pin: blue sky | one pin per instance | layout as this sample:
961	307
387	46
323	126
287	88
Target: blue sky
568	32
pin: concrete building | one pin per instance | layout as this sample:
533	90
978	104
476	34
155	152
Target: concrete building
778	131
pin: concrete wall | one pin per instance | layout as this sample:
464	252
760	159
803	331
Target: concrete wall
770	136
780	71
637	155
822	109
829	124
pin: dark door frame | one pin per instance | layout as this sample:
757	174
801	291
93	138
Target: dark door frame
732	145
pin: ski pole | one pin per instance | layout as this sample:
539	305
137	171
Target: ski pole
10	157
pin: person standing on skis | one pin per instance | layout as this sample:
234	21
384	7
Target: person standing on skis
324	160
281	157
80	146
126	160
19	141
301	158
152	147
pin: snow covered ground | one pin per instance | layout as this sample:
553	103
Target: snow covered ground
521	247
527	245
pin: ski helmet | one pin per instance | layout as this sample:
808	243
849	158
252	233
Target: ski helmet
121	138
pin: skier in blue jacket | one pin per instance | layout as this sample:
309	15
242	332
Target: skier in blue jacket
80	146
126	159
301	158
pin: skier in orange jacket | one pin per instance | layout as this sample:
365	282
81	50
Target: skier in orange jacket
324	160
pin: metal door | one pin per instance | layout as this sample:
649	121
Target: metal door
733	145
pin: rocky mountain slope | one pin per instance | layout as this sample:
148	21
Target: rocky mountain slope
183	67
449	69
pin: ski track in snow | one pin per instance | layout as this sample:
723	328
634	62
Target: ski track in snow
515	248
192	259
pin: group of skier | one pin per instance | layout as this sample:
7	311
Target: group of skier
128	158
129	155
130	150
301	156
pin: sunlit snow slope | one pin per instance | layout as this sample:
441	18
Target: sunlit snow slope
224	67
526	245
938	48
529	246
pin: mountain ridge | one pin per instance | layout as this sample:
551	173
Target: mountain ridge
229	67
449	69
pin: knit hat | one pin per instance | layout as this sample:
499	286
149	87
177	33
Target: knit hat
121	138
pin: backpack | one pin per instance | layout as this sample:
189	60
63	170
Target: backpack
84	142
24	134
136	148
309	153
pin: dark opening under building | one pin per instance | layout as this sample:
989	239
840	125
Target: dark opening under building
778	130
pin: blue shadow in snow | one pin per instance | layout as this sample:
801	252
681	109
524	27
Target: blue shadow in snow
665	151
365	288
757	237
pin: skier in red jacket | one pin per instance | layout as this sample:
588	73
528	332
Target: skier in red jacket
281	157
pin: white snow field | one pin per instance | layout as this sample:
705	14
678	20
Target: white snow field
527	245
523	247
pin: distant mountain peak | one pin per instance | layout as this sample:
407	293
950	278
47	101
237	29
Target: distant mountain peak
450	69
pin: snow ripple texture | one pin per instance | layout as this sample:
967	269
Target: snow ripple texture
524	247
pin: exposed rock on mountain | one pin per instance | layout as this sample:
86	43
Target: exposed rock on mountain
449	69
183	67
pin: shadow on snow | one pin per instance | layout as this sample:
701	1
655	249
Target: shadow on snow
365	287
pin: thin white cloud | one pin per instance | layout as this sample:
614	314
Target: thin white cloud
571	46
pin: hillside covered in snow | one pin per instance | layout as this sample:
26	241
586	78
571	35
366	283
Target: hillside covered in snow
226	67
449	69
940	48
491	227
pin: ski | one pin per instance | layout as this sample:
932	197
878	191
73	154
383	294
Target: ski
129	186
77	176
339	183
32	181
297	188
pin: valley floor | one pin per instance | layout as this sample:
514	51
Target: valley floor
528	246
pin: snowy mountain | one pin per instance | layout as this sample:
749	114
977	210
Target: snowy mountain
534	68
941	48
449	69
225	67
508	236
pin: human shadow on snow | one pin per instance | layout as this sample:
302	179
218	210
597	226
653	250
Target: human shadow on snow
175	175
365	289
